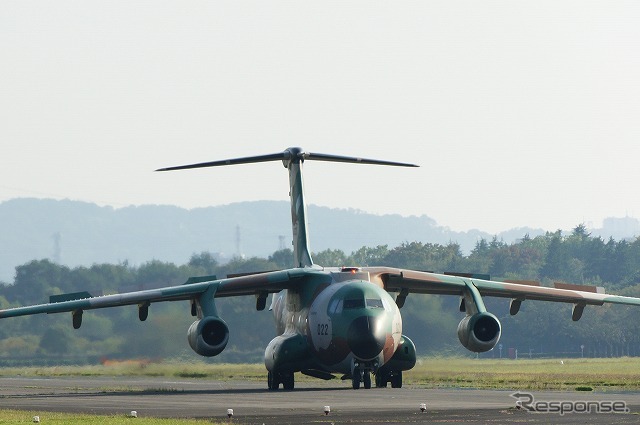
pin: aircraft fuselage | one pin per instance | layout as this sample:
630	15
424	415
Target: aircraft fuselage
342	323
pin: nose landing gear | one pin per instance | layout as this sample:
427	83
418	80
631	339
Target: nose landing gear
362	375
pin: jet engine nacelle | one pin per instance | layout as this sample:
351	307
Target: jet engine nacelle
479	332
208	336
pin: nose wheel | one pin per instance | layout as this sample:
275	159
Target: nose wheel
361	376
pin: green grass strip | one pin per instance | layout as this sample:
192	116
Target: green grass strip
26	417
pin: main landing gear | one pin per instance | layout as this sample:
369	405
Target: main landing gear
274	379
361	376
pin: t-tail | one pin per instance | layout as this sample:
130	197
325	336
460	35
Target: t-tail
293	158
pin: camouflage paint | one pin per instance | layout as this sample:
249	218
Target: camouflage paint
325	323
312	334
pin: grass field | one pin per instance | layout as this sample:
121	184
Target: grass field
524	374
23	417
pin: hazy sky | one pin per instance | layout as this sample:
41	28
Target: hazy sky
519	113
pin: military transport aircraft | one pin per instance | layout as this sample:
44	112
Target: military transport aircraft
339	320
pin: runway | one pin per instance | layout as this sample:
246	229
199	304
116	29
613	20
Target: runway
253	404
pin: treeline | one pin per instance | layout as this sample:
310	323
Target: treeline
577	258
540	329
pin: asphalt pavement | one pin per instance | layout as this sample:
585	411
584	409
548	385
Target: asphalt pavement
252	403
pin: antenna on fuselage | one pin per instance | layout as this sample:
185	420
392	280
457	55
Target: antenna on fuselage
292	159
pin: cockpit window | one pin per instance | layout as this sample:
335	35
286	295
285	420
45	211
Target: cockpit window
336	306
374	303
354	303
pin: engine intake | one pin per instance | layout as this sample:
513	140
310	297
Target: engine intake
208	336
479	332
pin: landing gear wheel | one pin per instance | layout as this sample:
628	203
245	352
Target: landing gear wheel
355	383
396	379
287	380
355	379
366	378
272	381
381	379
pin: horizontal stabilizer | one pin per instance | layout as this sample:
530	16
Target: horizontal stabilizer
69	297
289	155
235	161
354	160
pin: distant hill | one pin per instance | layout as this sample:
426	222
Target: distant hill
79	233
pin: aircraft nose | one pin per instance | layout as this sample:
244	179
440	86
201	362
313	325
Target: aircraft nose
366	337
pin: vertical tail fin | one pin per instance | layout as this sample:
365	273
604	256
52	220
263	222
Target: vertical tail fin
301	249
293	158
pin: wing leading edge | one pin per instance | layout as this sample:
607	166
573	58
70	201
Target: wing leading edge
258	284
392	279
411	281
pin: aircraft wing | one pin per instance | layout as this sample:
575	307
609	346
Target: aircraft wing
411	281
258	284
